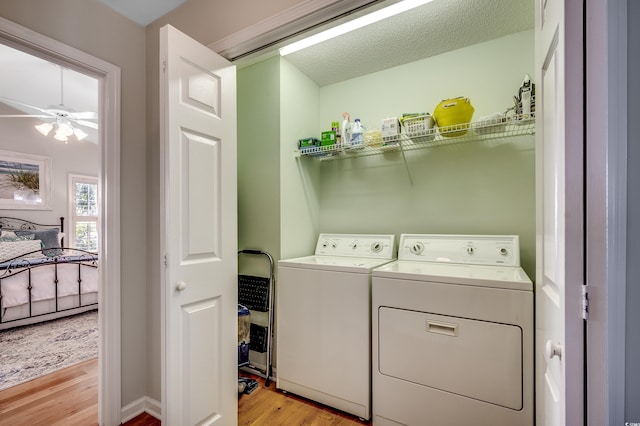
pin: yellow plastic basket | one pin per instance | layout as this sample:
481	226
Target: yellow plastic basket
453	116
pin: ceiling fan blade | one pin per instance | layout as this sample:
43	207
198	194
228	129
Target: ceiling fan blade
89	115
23	116
13	101
87	124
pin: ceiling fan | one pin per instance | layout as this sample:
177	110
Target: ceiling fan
59	117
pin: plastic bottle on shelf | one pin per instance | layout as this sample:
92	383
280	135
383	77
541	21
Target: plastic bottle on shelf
357	130
346	129
335	126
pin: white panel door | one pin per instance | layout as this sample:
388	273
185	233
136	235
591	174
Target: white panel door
560	213
199	298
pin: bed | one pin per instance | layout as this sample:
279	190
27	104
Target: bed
40	278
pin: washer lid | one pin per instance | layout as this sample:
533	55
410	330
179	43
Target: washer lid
334	263
508	277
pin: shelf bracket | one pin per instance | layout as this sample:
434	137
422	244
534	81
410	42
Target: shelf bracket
406	165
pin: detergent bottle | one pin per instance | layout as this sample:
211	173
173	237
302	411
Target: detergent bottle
357	129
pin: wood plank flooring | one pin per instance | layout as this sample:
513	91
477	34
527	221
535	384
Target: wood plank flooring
66	397
268	406
69	398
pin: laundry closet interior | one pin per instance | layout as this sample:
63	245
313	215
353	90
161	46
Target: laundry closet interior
480	50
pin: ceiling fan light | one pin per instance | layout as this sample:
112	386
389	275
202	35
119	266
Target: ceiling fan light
44	128
79	134
65	128
61	137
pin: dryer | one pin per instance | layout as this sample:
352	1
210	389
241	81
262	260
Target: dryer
324	320
452	333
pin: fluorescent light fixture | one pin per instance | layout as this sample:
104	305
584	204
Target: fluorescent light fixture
360	22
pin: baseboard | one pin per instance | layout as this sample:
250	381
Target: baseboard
142	405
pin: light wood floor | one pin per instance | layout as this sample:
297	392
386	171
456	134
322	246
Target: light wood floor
69	398
66	397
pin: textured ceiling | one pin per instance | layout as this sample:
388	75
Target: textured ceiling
431	29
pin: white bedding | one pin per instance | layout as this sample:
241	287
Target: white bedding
15	291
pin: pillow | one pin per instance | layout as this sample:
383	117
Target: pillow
8	238
9	250
49	238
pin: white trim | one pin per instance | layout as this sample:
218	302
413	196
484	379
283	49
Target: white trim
293	21
109	395
139	406
606	187
617	210
70	232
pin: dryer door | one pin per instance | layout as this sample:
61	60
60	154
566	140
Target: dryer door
477	359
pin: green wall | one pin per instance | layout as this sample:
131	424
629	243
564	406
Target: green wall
472	188
300	183
259	157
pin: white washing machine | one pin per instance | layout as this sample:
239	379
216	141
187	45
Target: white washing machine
324	321
452	324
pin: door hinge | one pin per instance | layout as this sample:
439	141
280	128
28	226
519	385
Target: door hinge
166	263
164	65
585	302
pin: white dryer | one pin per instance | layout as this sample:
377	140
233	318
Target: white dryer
323	334
452	324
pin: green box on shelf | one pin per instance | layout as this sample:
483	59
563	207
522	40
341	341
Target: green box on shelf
307	142
328	138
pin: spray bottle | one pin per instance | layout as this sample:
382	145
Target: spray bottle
346	129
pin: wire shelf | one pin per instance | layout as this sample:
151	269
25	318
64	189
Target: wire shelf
485	130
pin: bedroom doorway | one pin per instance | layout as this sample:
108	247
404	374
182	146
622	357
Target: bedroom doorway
107	132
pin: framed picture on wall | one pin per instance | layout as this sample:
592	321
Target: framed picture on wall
25	181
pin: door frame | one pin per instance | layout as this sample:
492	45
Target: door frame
108	75
606	209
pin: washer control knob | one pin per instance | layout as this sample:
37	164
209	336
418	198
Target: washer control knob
376	247
325	244
470	250
354	246
417	248
334	245
504	251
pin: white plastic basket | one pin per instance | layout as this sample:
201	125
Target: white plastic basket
419	128
493	123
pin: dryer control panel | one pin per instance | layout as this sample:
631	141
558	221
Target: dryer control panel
501	250
357	245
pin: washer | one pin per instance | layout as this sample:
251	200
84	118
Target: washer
324	320
452	324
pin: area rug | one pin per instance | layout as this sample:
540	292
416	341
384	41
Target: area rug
35	350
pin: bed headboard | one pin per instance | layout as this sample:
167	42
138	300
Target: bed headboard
13	223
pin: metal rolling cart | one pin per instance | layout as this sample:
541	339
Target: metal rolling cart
257	294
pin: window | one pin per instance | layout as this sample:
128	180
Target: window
83	226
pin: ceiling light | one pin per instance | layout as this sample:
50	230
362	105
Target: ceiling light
64	127
44	128
360	22
61	118
59	136
79	134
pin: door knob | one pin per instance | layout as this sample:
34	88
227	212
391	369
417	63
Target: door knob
181	286
551	349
